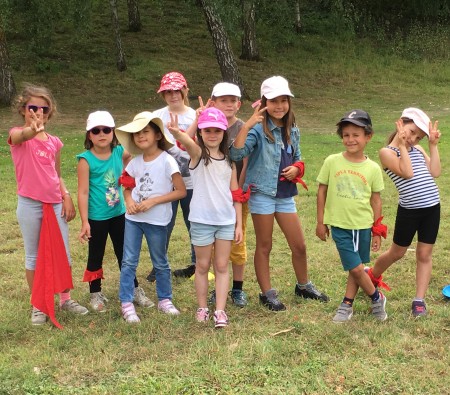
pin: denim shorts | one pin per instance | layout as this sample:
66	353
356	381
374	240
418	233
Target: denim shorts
261	203
204	234
353	246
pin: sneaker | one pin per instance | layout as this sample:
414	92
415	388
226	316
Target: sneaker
212	297
74	307
186	272
202	314
310	292
151	278
271	301
344	313
220	319
167	307
141	299
379	308
418	308
376	281
38	317
98	302
129	313
238	297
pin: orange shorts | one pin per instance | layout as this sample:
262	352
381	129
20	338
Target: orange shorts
238	255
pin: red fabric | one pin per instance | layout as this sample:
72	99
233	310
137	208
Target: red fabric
52	274
240	196
379	229
378	281
181	146
91	276
301	167
126	180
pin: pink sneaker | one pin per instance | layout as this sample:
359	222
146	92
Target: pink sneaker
129	313
167	307
220	319
202	314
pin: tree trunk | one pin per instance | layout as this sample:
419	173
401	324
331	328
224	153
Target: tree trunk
134	18
7	86
224	54
249	45
121	64
298	21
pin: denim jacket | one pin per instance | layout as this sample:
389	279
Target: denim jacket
264	157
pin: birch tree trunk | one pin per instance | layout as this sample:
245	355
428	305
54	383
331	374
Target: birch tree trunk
249	44
134	17
224	54
121	64
7	86
298	21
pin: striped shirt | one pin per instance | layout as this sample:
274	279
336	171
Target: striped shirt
419	191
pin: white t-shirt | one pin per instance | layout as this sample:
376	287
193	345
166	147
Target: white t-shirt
182	157
212	202
152	179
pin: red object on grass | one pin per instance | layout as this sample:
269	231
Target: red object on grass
53	274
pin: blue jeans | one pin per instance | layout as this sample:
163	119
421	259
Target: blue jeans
184	203
156	237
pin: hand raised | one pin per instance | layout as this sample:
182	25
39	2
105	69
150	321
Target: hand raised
257	116
435	133
401	132
37	121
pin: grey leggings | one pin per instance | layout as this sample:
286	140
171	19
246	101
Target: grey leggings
29	215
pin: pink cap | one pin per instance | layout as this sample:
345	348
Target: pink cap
172	81
211	117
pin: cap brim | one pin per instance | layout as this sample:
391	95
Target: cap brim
210	124
353	121
273	95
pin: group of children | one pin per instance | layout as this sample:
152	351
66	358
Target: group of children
218	169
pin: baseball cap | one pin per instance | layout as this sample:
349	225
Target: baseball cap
226	89
172	81
140	121
211	117
99	118
357	117
275	86
421	119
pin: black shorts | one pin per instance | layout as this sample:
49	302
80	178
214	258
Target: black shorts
424	221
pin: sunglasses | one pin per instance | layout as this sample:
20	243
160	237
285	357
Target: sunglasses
45	109
96	131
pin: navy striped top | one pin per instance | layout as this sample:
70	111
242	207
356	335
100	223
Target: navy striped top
419	191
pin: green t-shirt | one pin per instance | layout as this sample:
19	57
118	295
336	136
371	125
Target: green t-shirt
350	186
105	194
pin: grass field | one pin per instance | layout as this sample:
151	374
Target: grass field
294	352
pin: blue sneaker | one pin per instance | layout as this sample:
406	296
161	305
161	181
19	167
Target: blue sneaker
238	297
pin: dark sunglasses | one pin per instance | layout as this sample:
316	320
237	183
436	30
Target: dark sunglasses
45	109
96	131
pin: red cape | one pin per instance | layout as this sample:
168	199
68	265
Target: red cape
52	274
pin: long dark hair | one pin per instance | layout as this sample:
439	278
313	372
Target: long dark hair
288	121
223	147
162	142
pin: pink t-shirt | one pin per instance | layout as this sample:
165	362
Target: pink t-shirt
34	162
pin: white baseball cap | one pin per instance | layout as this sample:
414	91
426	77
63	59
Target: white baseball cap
274	87
421	119
226	89
99	118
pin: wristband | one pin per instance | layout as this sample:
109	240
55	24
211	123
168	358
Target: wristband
379	229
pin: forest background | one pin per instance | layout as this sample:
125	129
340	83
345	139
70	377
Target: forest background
381	56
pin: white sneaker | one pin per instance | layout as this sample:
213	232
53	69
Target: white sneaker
98	302
38	317
74	307
141	299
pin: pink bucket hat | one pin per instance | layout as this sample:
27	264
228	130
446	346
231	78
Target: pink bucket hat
212	118
172	81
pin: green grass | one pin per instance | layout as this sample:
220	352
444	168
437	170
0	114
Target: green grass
299	351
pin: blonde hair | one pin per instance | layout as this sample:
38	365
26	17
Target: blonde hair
30	91
184	94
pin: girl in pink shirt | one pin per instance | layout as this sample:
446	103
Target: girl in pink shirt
37	162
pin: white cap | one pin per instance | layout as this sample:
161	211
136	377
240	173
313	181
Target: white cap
274	87
226	89
99	118
421	119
